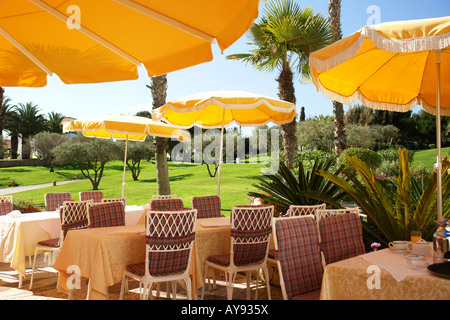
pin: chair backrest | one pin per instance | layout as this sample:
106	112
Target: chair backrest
207	206
95	195
251	227
73	216
323	213
305	210
166	204
341	237
6	199
169	237
5	208
299	257
162	197
55	200
107	214
122	200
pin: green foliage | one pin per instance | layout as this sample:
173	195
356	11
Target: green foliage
90	156
371	158
136	152
306	188
393	211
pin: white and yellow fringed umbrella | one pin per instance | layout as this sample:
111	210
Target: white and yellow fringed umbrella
222	108
391	66
125	127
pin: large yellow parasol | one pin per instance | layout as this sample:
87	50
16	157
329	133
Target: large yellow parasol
219	109
392	66
125	127
85	41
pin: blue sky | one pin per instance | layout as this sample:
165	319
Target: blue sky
82	100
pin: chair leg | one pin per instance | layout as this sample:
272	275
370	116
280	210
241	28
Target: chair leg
230	278
248	280
188	282
36	251
122	287
203	288
266	276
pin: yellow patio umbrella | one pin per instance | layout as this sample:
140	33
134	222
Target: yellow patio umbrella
391	66
86	41
125	127
219	109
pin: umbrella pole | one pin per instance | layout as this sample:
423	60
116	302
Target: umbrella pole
220	153
124	167
438	134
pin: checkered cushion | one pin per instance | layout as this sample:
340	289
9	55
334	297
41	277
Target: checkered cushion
299	255
341	237
109	214
95	195
5	208
55	200
166	204
273	254
53	243
207	206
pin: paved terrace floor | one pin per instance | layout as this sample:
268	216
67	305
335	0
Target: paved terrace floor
45	279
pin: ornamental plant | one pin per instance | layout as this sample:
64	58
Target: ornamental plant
25	206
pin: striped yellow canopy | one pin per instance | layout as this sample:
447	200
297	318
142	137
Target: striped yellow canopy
122	127
91	41
390	66
223	108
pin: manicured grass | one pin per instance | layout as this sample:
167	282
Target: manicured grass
186	180
428	157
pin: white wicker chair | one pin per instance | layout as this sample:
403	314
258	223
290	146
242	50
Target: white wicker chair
159	197
54	200
95	195
73	216
124	200
6	205
304	210
251	227
322	213
169	241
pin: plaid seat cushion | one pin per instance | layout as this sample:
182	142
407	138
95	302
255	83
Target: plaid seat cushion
273	254
109	214
207	206
53	243
341	237
55	200
299	255
167	204
96	195
5	208
311	295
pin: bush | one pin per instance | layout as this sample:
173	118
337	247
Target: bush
371	158
25	206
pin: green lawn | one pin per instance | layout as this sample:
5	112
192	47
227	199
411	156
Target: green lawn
428	157
186	180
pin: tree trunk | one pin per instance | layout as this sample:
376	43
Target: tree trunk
286	92
334	17
158	88
26	146
14	146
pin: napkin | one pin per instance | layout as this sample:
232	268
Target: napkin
15	214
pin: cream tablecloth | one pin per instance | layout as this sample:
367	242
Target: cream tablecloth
19	236
102	254
357	279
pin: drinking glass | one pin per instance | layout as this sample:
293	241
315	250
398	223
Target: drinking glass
416	236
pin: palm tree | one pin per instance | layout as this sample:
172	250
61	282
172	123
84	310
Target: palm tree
283	41
4	112
29	122
11	125
158	88
53	122
334	16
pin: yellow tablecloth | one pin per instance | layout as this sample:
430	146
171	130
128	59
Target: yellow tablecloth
19	236
357	279
102	254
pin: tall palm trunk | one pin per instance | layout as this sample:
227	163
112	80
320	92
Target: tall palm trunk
158	88
286	92
334	17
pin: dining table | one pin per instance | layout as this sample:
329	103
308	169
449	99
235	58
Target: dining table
383	275
20	233
101	254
